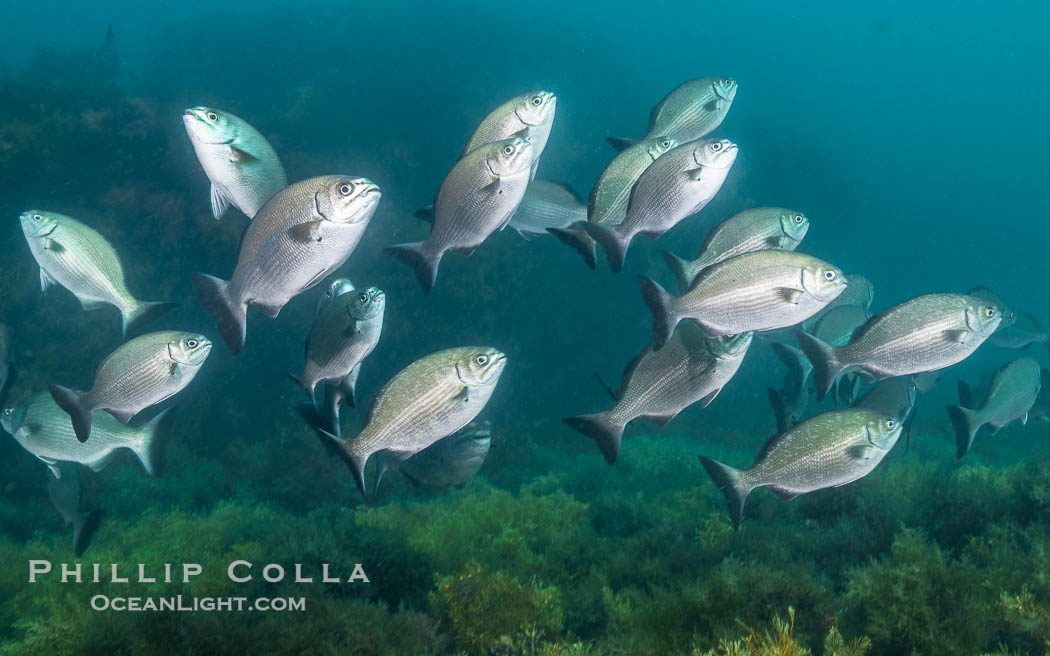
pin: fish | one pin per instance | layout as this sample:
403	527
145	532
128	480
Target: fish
453	460
860	293
926	333
67	496
547	206
895	397
756	229
1012	392
758	291
240	163
927	380
1022	333
5	359
528	116
478	197
828	450
659	384
677	185
609	198
337	287
790	401
432	398
45	430
835	328
141	373
74	256
1041	408
302	235
691	111
344	333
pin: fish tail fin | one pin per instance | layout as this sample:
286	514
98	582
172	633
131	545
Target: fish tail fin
966	423
612	241
826	364
154	437
621	143
345	449
661	304
780	411
307	384
84	527
680	268
144	312
230	315
422	261
76	407
603	430
580	241
728	481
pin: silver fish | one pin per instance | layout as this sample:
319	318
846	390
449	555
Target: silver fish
44	430
5	359
677	185
141	373
67	496
1011	394
837	326
924	334
828	450
529	116
657	385
344	333
76	257
1009	316
337	287
242	166
894	397
302	235
758	291
1021	333
1041	408
546	206
453	460
757	229
430	399
790	401
692	110
860	293
927	380
610	196
478	197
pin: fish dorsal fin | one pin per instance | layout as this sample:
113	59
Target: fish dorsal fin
628	371
654	114
613	393
220	202
239	156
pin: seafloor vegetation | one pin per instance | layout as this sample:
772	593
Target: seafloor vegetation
548	551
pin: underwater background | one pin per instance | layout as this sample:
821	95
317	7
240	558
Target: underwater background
912	136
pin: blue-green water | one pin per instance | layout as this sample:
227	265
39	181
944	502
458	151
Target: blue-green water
912	137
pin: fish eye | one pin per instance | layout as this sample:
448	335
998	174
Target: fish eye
37	217
716	146
212	116
829	275
363	297
508	150
666	143
8	412
537	101
482	360
192	343
727	81
989	312
345	189
798	218
891	424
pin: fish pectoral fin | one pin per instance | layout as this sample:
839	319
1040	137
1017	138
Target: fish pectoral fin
462	395
494	187
790	295
33	429
46	280
957	336
220	202
860	452
773	242
53	246
53	466
173	368
706	401
238	156
711	105
1024	419
785	494
307	232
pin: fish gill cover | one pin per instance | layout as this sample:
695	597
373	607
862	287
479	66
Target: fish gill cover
477	500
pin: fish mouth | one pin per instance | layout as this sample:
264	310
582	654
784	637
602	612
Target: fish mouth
718	92
192	120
